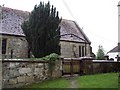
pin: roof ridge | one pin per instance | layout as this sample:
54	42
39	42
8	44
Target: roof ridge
84	35
68	20
16	11
4	8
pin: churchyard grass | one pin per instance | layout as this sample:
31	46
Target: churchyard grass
106	80
52	83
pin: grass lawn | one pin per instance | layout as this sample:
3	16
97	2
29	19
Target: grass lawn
108	80
56	83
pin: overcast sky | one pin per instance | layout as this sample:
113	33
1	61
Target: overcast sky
98	18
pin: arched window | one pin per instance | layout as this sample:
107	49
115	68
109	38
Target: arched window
4	45
83	51
80	51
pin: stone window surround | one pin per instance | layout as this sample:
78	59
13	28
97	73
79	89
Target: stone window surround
81	51
6	45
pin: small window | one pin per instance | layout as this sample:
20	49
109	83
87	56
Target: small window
4	44
28	52
83	51
79	51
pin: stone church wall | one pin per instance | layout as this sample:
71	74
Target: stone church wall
71	49
16	47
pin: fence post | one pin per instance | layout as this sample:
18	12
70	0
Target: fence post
71	67
81	67
62	60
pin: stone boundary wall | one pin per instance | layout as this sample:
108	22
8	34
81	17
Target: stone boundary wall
0	75
20	72
105	66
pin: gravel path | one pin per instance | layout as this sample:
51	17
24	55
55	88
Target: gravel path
73	81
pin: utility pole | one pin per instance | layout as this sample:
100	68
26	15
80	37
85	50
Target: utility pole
1	49
119	29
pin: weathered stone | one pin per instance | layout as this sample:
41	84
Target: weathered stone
29	79
17	77
21	79
5	82
12	65
38	71
14	72
17	64
24	70
39	65
13	81
0	74
29	74
5	73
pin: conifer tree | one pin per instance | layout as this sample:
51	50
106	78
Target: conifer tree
41	30
100	53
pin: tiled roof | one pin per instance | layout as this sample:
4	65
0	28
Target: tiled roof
12	20
72	32
115	49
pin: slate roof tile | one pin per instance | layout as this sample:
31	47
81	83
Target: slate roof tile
13	18
115	49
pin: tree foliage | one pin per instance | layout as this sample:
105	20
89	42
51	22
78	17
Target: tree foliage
41	30
100	53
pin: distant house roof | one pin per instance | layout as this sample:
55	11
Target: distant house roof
13	18
115	49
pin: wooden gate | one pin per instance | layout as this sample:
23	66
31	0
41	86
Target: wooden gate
71	66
